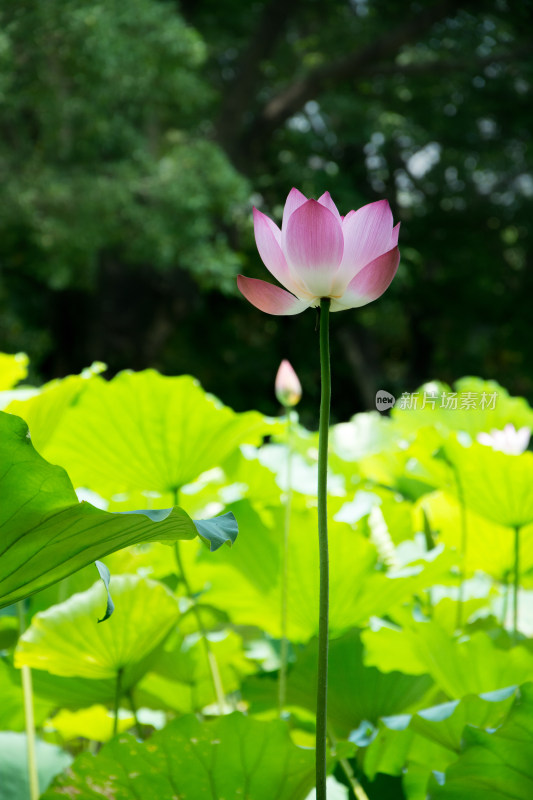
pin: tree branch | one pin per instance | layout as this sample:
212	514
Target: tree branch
448	65
242	90
291	99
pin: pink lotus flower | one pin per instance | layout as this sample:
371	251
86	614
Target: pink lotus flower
510	441
317	253
288	387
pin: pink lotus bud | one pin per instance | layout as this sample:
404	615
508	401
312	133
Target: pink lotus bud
318	254
288	387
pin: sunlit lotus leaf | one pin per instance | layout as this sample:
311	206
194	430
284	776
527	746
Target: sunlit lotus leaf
67	640
247	585
459	666
13	368
44	408
478	406
233	756
493	764
356	692
494	484
95	723
46	534
147	432
489	546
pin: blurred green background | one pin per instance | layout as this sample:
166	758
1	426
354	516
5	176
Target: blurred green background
135	138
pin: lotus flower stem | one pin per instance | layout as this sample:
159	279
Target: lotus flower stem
516	581
27	692
284	655
211	658
323	626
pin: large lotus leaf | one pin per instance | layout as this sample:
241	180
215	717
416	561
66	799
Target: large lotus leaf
247	585
478	406
459	666
14	784
67	640
43	409
494	484
496	764
356	692
409	738
233	756
13	368
489	546
46	534
76	693
147	432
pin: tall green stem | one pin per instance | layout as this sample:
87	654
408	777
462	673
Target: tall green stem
323	626
27	693
516	581
284	656
211	658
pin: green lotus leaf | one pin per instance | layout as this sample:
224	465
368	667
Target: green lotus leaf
147	432
494	484
459	666
76	693
13	368
356	692
247	584
494	764
43	409
67	640
46	534
409	738
95	723
489	546
233	756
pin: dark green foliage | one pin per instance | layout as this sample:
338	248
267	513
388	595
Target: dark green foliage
134	135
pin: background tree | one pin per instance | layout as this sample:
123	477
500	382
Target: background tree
136	139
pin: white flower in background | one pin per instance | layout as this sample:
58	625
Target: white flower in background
509	441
